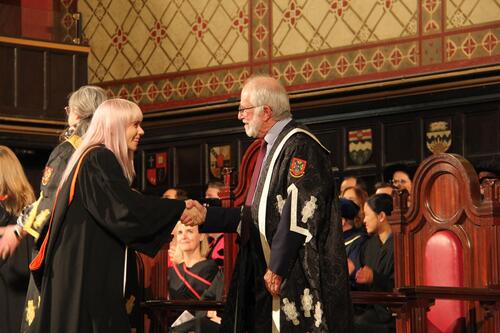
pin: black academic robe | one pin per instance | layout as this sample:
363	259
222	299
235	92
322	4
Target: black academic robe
14	277
354	240
56	164
380	258
292	228
186	283
82	275
191	282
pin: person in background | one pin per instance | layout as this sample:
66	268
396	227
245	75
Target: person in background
191	276
386	188
352	181
377	265
215	240
179	194
354	238
401	180
97	218
358	196
175	193
15	193
400	176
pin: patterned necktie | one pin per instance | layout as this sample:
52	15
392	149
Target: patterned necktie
256	172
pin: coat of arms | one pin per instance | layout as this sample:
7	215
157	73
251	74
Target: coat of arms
438	137
360	145
156	171
220	157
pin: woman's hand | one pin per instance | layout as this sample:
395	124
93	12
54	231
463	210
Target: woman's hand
9	241
364	275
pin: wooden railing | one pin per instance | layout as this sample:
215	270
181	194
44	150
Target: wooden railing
404	303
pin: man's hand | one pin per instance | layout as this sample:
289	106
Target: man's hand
9	241
350	266
194	214
364	275
273	282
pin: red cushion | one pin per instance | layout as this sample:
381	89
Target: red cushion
443	266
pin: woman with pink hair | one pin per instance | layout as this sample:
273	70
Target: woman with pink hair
81	266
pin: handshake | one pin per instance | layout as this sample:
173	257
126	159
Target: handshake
194	214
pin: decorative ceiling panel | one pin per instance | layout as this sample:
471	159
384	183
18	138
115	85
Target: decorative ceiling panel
461	13
302	26
132	39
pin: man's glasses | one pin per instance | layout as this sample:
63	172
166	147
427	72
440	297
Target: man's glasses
243	111
67	108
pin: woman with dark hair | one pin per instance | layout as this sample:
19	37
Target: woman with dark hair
15	193
377	265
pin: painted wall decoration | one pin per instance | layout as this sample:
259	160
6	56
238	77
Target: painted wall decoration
156	168
438	137
360	145
219	158
166	54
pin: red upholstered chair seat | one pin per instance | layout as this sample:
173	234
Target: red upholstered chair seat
443	266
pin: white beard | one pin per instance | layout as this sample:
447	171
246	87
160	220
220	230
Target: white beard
252	128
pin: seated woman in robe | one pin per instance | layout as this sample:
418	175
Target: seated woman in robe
377	265
192	277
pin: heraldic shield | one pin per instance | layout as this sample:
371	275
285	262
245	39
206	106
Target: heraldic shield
360	145
220	157
156	171
438	137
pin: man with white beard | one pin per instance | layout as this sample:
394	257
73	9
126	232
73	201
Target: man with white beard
291	272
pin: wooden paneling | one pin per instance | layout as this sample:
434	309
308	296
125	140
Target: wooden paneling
7	69
400	141
31	81
188	169
39	77
59	65
481	133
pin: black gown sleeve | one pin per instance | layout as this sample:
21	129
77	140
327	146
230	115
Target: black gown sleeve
142	222
221	220
305	209
284	243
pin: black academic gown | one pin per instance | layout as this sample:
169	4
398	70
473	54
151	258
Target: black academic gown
191	283
354	240
14	277
81	278
380	258
297	235
56	164
196	278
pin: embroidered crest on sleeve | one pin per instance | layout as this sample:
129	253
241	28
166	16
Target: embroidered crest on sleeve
318	313
293	194
30	311
297	167
290	311
308	209
280	202
47	175
307	302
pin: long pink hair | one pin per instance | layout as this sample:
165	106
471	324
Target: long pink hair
108	127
